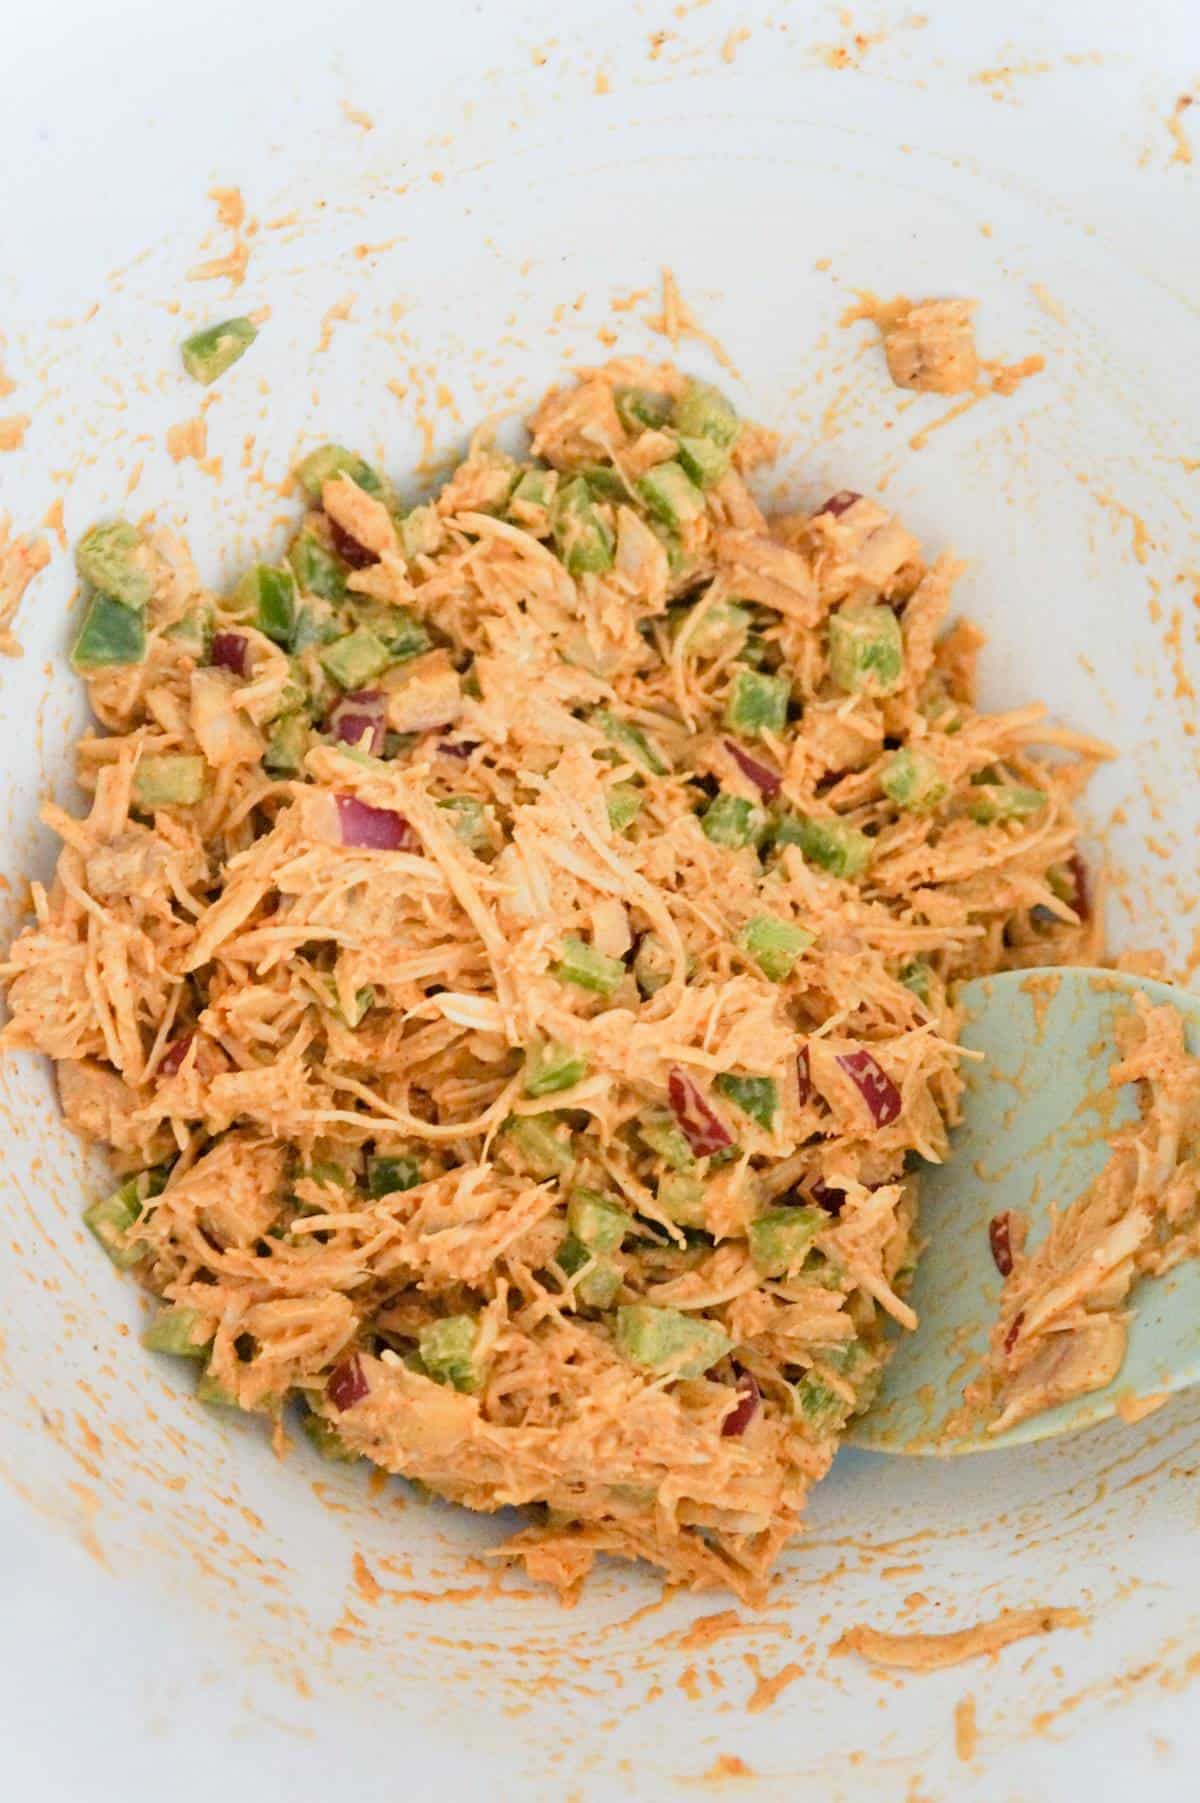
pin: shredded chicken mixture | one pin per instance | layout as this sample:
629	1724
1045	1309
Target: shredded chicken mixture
508	957
1063	1322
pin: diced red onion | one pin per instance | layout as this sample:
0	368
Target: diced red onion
766	779
349	549
831	1200
365	828
174	1055
874	1086
804	1075
744	1409
360	715
449	748
347	1383
704	1130
1010	1338
1000	1241
1082	902
840	503
231	651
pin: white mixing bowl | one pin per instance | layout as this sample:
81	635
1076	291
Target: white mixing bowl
447	205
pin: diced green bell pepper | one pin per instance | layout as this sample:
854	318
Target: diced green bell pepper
641	409
173	1330
774	944
317	571
651	964
587	968
421	532
670	494
209	353
550	1068
115	559
602	1277
669	1342
170	779
658	1128
757	1097
757	703
720	630
780	1238
193	634
819	1404
597	1220
447	1349
624	805
866	649
915	976
583	539
288	745
330	460
914	780
389	1172
213	1394
829	844
733	821
266	597
470	821
681	1198
705	461
630	741
532	500
111	634
702	411
355	661
327	1441
396	627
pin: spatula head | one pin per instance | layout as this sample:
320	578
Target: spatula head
1036	1114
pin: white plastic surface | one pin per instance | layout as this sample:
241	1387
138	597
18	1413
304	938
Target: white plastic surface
184	1615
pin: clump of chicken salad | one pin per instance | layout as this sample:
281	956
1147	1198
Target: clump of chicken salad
509	958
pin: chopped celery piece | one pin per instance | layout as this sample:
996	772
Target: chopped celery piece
721	627
841	850
914	780
532	499
703	412
328	1442
866	649
598	1221
287	745
214	1394
670	494
389	1172
110	1220
470	820
820	1405
420	532
550	1068
111	634
330	460
1004	801
704	460
774	944
651	964
664	1137
733	821
208	354
681	1198
193	633
915	976
544	1143
114	558
266	596
171	779
317	571
356	660
587	968
583	539
669	1342
173	1330
641	409
624	806
780	1238
631	741
757	1097
447	1349
757	703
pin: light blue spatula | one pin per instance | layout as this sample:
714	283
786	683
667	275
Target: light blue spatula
1035	1117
